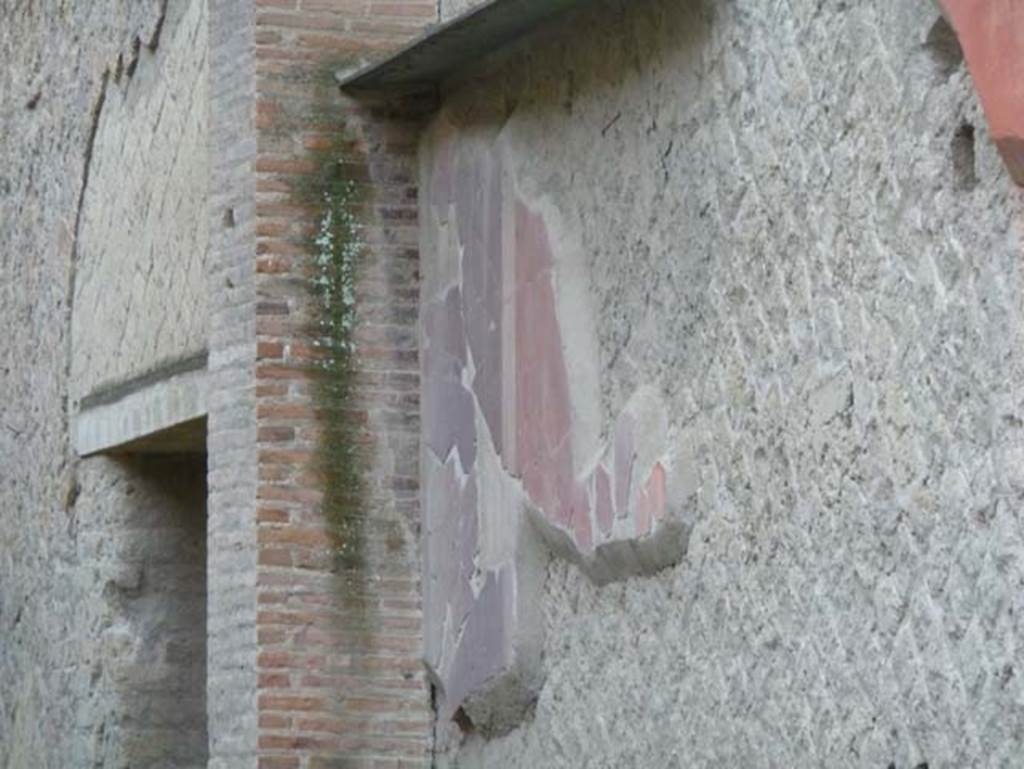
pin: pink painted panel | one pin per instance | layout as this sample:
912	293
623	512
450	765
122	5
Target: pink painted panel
991	33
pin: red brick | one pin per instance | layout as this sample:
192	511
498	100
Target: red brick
269	350
291	535
275	434
275	721
271	371
277	762
289	494
271	514
274	474
270	636
273	681
271	265
273	411
303	625
279	702
274	557
285	456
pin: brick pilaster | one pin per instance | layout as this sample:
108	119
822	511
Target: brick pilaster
340	682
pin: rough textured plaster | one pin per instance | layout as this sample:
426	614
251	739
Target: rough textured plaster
60	702
790	235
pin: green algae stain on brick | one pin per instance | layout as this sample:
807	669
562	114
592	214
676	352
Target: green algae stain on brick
336	252
342	459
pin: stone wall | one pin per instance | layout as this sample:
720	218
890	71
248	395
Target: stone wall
309	666
142	532
788	222
140	271
56	701
784	226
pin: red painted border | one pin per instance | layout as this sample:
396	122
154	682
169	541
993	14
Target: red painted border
991	33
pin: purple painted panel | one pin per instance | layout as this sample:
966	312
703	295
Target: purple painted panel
448	413
446	528
479	205
466	634
483	652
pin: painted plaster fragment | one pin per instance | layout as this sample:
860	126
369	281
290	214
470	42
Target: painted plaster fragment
555	486
511	431
467	647
478	201
991	34
448	405
544	450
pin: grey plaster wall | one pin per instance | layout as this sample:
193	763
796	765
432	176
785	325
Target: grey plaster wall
793	225
140	281
66	527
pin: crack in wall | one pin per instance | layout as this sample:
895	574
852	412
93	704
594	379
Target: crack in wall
154	39
90	145
114	177
151	45
94	124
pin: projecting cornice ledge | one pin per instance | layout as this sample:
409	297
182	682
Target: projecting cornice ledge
448	48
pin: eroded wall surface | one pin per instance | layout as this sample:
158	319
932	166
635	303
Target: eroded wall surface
789	222
140	283
72	638
143	535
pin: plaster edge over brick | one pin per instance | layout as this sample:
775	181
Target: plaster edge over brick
158	406
991	33
231	533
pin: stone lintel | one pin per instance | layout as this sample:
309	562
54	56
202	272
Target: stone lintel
161	415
